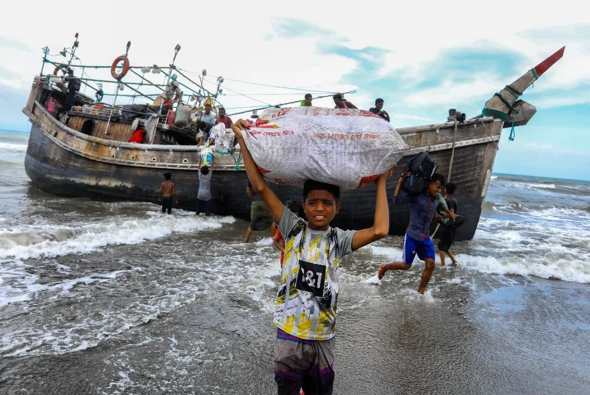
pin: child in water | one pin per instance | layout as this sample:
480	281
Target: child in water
417	240
167	191
305	307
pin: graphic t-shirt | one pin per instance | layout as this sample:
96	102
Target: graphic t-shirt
307	299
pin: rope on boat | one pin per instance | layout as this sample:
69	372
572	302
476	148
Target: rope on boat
512	132
237	161
450	169
272	86
200	87
241	94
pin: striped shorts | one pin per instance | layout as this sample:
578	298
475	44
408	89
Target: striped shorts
303	364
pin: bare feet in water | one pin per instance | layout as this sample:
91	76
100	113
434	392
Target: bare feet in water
382	271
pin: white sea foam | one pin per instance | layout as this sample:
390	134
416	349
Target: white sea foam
536	186
12	147
573	270
391	253
34	241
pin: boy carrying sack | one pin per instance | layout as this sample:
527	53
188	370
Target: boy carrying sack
305	307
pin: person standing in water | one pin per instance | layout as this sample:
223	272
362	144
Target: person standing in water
448	232
417	239
204	194
167	192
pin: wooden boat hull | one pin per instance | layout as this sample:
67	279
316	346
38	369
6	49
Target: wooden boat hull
62	161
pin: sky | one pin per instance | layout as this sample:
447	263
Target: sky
421	57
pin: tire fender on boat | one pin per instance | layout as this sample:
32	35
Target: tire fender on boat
125	60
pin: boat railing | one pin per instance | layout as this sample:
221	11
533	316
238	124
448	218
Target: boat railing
110	143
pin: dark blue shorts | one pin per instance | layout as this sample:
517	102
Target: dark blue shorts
424	249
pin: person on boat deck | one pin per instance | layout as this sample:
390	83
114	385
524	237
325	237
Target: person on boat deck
167	191
208	117
137	136
448	232
417	239
305	307
173	94
73	87
204	193
378	110
203	133
260	217
224	119
307	101
341	102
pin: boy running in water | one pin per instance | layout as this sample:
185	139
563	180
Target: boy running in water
417	239
305	307
167	191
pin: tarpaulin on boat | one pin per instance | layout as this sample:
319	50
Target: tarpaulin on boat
344	147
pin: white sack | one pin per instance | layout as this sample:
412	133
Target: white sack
224	138
344	147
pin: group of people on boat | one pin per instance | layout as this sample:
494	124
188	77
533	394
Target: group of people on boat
341	102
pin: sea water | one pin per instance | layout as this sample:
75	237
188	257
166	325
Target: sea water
106	297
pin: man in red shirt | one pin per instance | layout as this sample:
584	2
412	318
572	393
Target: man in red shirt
224	119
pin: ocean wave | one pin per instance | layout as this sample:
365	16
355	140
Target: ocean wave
8	147
572	269
35	241
252	270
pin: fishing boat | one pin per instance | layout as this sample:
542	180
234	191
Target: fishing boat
84	149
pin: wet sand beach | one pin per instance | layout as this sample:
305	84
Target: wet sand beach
113	298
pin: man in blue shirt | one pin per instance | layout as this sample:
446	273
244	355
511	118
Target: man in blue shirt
417	239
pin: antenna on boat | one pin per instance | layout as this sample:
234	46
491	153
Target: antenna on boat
71	51
45	53
176	50
219	90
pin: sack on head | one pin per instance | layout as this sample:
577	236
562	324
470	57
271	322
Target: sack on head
348	148
422	168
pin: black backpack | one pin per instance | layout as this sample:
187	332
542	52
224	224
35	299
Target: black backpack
422	168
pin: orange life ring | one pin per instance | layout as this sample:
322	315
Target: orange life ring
122	74
63	67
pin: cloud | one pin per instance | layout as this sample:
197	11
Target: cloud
412	117
4	42
12	102
291	28
567	34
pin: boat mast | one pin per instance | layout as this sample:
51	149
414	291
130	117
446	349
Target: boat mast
45	53
119	85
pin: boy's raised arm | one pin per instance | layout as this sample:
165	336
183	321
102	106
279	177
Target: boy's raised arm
380	226
271	200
